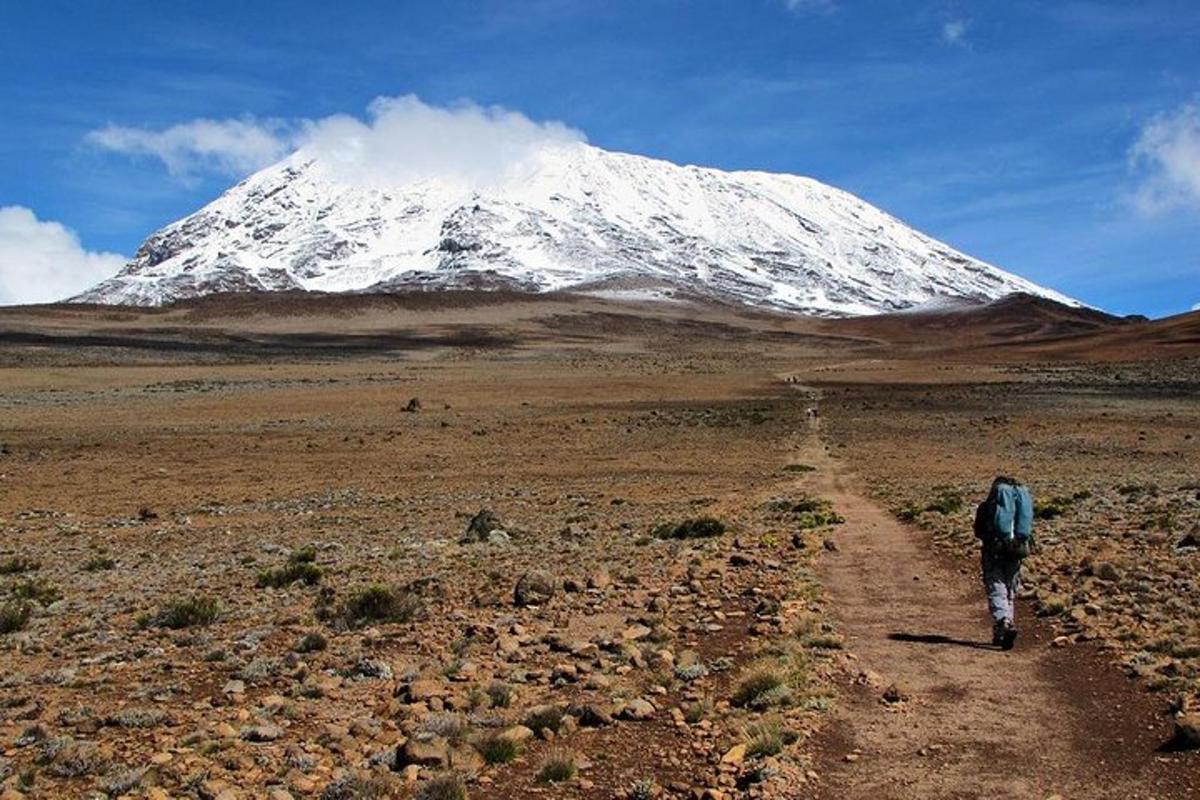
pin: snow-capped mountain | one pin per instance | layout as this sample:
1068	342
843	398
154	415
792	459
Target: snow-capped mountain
572	217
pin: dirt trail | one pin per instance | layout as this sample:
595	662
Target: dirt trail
1036	722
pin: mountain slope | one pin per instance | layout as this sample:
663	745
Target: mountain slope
571	216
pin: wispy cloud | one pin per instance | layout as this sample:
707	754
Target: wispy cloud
1167	158
229	146
400	138
811	6
954	32
43	261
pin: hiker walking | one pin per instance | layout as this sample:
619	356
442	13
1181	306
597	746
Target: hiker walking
1004	527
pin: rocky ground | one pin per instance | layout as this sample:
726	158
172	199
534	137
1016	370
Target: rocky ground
372	579
568	552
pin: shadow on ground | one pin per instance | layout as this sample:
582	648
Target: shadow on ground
937	638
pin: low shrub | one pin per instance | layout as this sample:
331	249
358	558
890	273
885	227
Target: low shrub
698	528
186	613
99	563
300	571
697	711
311	642
39	590
1054	507
544	718
948	500
300	567
500	694
374	603
17	565
497	749
14	615
765	738
760	687
557	768
443	787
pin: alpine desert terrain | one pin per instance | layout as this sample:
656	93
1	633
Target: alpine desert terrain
493	545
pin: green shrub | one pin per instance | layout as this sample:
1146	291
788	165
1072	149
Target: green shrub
376	603
443	787
497	749
277	577
1054	507
305	555
186	613
947	501
39	590
544	718
311	642
14	615
698	528
760	687
500	694
300	567
18	564
99	563
697	711
765	738
557	768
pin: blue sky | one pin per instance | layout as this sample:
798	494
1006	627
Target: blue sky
1059	140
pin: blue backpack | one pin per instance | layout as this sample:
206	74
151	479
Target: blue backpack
1004	521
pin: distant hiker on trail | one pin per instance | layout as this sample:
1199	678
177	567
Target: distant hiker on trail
1004	527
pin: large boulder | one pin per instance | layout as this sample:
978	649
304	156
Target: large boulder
423	751
481	525
535	588
1187	732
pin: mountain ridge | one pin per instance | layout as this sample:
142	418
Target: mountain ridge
570	217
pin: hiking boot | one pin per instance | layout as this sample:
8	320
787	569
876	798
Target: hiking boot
998	630
1008	637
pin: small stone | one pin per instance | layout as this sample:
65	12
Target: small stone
734	755
516	733
266	732
635	633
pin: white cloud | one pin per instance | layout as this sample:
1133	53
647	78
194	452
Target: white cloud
404	139
811	6
42	261
1167	154
1196	307
230	146
399	139
955	32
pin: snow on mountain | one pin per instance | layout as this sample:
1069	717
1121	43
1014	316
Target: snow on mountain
571	216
